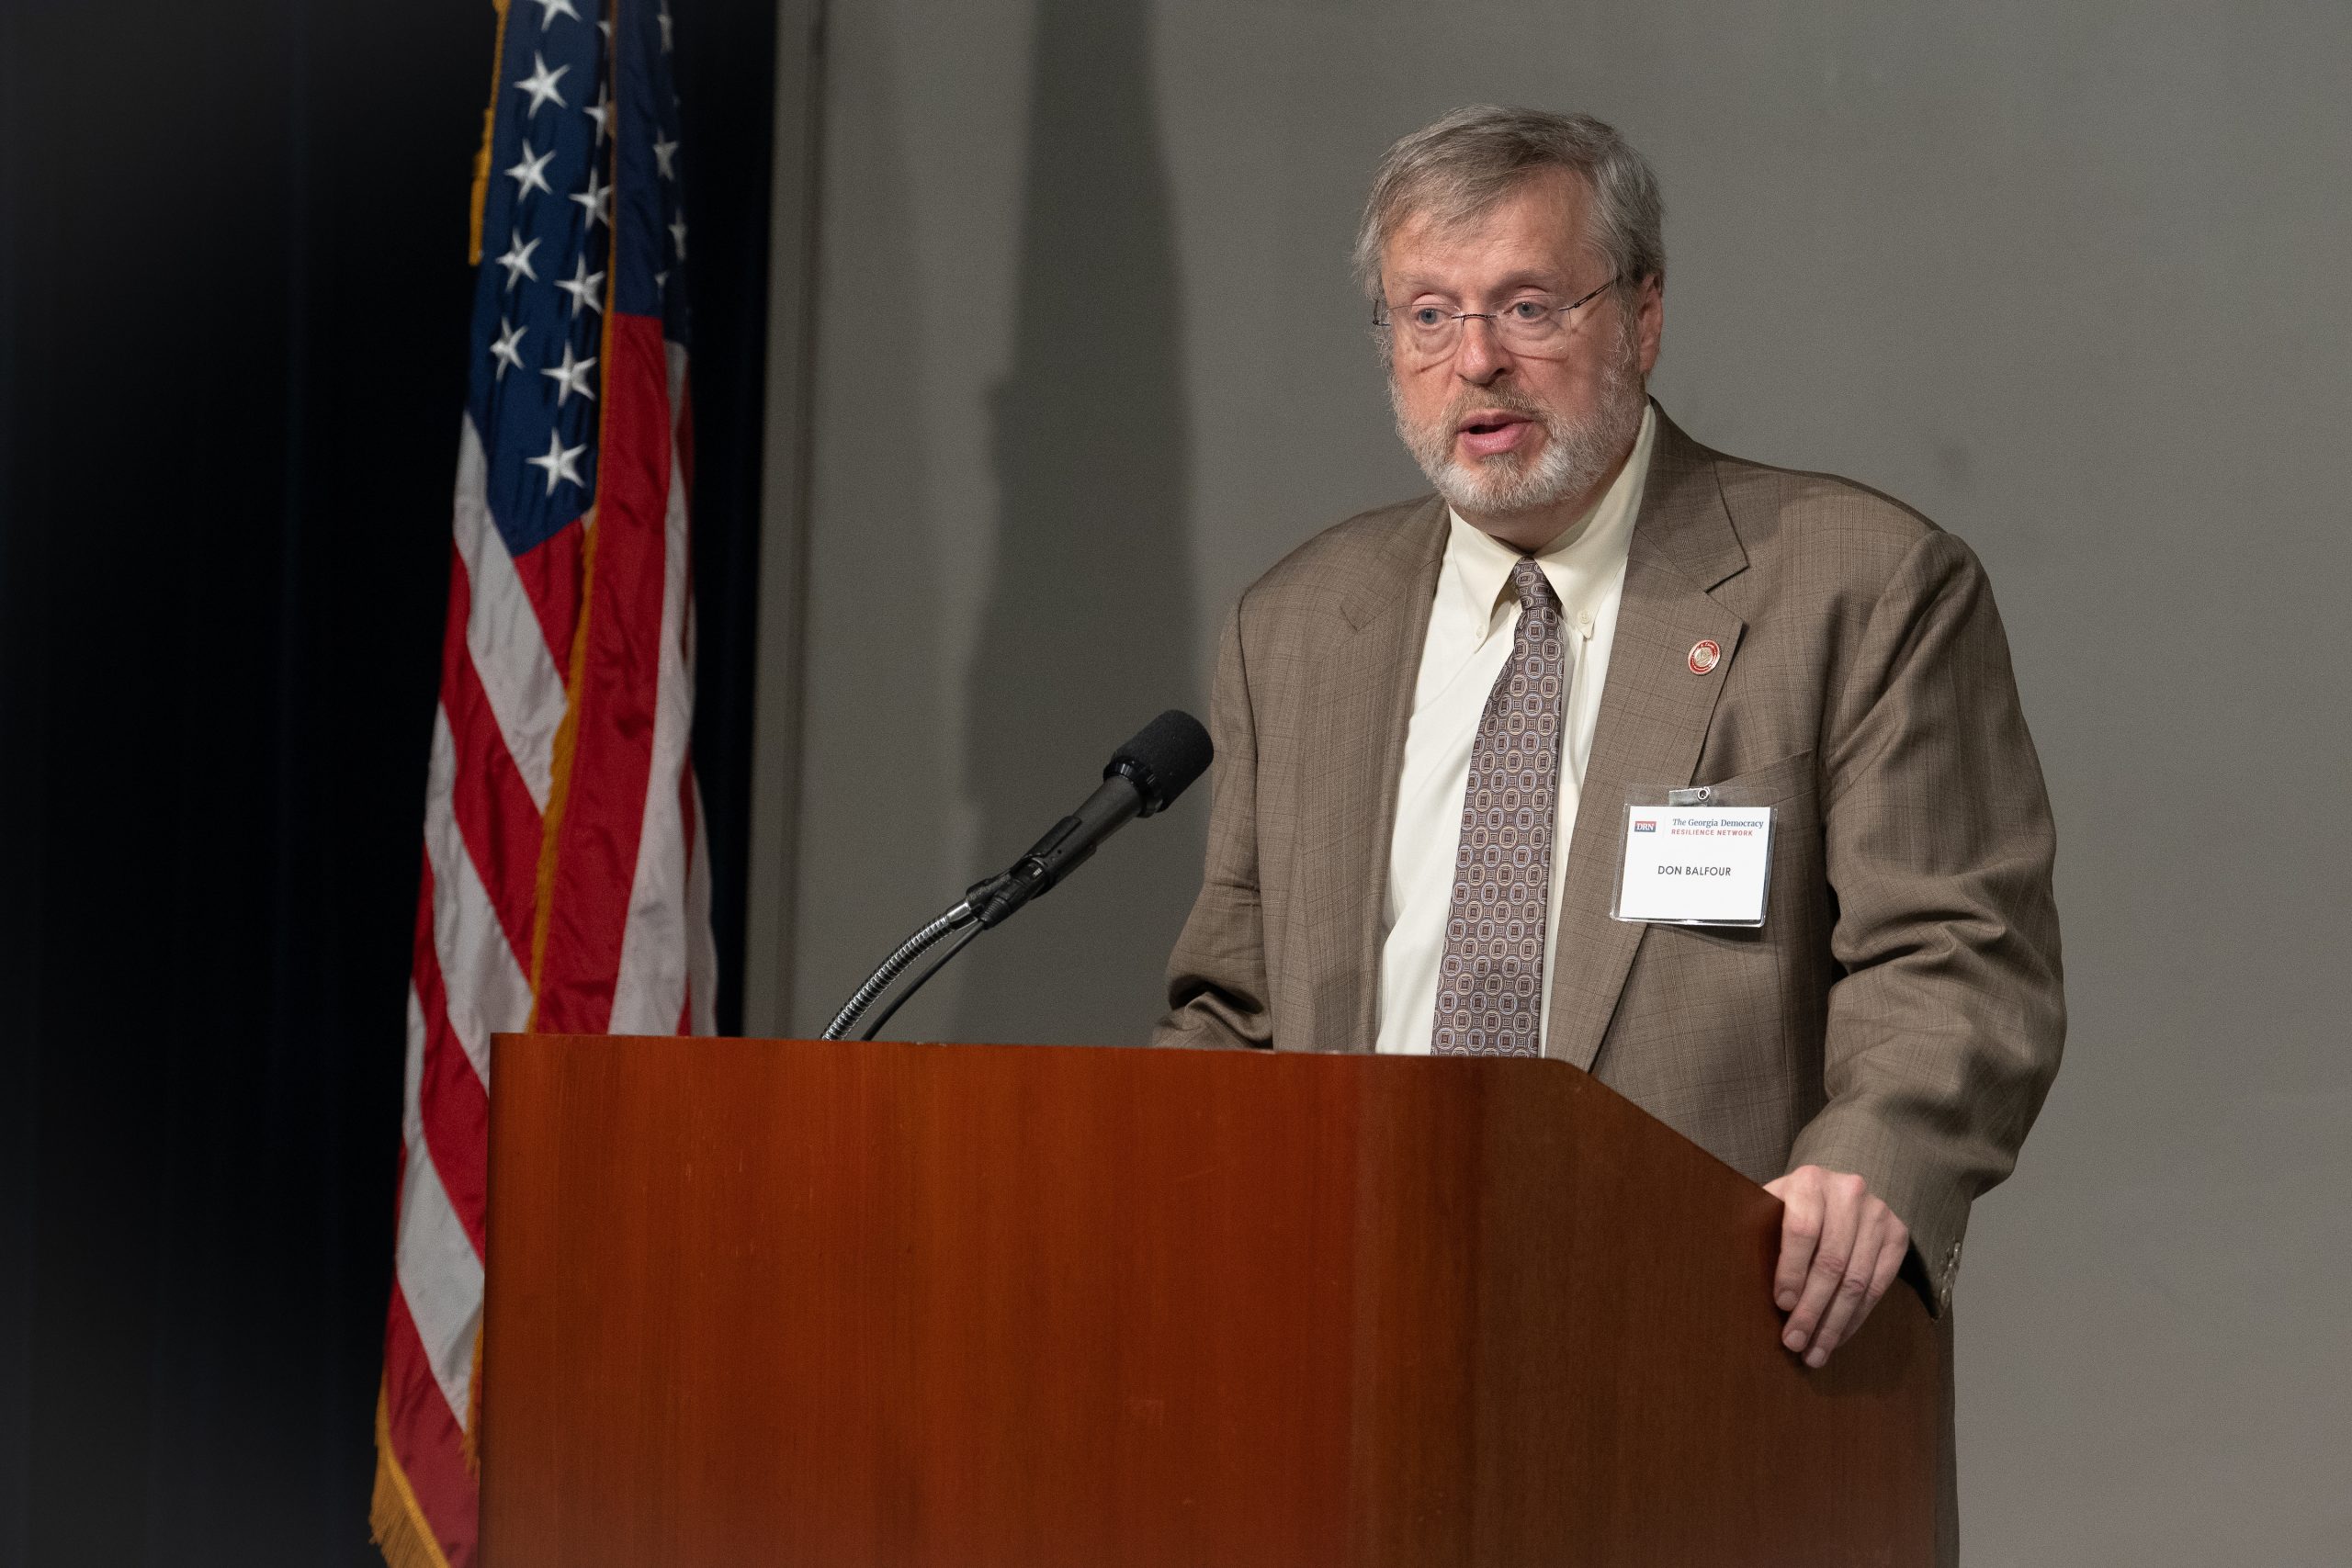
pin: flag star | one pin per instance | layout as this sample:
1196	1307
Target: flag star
551	9
678	232
601	107
597	199
570	377
517	260
583	287
664	154
662	280
507	350
666	28
604	25
540	84
561	462
531	174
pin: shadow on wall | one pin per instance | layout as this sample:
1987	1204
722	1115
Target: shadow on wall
1089	625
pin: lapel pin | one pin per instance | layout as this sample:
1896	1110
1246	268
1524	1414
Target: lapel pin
1704	656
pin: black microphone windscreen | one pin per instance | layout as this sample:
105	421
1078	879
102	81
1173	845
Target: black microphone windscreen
1164	758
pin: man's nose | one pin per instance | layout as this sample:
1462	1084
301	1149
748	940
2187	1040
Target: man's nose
1480	357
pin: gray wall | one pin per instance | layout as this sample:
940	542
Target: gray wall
2070	279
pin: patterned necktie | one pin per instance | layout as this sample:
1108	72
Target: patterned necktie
1491	988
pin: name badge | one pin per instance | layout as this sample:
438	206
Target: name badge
1698	865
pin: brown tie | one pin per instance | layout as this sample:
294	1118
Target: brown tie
1491	988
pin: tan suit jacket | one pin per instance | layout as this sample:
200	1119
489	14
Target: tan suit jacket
1899	1013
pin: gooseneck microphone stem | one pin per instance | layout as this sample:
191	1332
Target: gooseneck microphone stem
920	981
914	947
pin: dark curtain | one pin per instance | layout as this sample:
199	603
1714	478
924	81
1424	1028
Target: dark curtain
233	297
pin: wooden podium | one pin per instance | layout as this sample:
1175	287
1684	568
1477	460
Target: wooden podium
798	1303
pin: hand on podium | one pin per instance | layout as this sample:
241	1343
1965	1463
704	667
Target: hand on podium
1840	1246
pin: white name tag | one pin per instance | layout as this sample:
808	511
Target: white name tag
1698	865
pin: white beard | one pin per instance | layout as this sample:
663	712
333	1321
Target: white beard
1577	454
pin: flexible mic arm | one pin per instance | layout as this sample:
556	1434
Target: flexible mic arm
914	947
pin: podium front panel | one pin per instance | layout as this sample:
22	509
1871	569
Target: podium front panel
805	1302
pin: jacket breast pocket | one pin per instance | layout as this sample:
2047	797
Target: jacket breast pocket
1773	784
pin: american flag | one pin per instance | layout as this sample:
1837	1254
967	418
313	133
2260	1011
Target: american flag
565	885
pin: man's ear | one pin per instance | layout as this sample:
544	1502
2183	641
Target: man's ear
1649	317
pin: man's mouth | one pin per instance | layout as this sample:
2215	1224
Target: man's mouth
1489	432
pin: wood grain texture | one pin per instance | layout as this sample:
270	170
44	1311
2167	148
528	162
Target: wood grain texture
829	1304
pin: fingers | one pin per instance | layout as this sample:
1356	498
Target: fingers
1890	1263
1853	1298
1842	1213
1800	1231
1841	1247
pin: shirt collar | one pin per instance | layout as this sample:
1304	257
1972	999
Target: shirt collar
1583	563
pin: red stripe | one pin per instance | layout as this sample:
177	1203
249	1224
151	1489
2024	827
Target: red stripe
425	1438
496	817
614	704
550	574
450	1097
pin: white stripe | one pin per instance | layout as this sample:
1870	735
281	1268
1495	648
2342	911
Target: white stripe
650	990
433	1262
502	633
484	984
439	1276
412	1095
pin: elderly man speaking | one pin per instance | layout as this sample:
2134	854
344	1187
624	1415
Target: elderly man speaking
1433	722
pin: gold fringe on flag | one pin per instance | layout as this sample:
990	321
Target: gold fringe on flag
470	1441
395	1522
489	130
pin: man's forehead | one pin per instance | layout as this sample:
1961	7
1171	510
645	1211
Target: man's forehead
1537	223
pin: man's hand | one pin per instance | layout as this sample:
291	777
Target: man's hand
1840	1246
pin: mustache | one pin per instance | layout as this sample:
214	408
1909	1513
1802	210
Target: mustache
1497	397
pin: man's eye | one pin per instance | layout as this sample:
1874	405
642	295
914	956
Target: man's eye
1428	316
1529	310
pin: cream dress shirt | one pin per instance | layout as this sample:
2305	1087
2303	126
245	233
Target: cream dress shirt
1471	624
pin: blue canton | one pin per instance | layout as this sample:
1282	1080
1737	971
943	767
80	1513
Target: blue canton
583	182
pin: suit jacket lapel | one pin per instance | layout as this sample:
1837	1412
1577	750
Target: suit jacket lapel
1653	717
1361	702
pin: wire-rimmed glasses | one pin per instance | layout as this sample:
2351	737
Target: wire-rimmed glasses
1534	324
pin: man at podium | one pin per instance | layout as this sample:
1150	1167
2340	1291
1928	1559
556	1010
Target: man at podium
1707	777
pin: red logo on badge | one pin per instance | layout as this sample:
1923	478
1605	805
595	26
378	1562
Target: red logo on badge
1703	657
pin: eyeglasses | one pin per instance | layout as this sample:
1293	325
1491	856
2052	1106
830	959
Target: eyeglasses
1531	325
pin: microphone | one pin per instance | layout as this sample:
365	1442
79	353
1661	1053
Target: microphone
1143	778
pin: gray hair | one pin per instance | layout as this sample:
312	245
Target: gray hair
1463	163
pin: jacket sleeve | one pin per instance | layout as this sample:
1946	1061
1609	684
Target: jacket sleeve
1216	976
1946	1022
